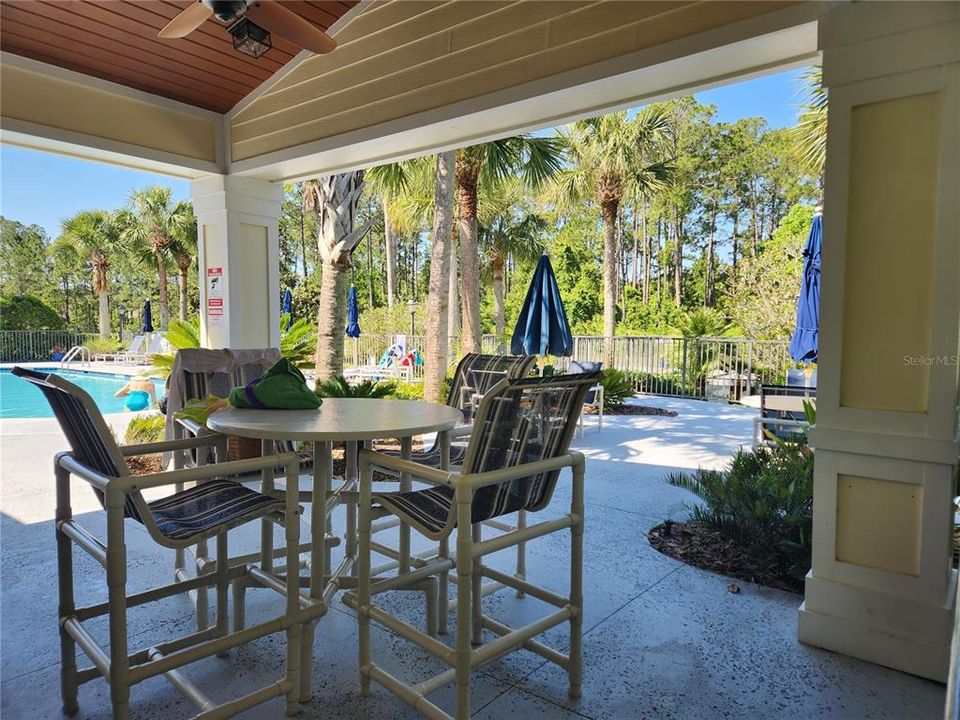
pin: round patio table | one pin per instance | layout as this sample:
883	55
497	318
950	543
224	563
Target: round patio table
350	420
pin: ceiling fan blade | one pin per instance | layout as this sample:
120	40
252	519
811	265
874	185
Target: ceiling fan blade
187	21
287	24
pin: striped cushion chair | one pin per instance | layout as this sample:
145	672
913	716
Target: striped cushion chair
474	376
198	373
212	507
518	445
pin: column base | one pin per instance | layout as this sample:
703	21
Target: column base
897	632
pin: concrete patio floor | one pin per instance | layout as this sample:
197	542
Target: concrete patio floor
663	640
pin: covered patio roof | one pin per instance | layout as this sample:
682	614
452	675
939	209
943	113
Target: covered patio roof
408	77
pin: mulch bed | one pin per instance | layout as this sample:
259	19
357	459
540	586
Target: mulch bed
145	464
632	410
708	549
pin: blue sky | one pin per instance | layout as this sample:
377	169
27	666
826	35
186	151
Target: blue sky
43	188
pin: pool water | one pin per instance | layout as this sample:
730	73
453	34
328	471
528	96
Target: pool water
20	399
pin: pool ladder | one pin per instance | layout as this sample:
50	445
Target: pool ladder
77	350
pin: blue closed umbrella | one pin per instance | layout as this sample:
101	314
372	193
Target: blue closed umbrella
286	307
805	341
353	314
542	328
147	318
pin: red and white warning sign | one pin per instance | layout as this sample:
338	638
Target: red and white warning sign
215	295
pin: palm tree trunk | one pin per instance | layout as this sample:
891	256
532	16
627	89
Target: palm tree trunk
164	294
635	281
609	279
104	314
337	197
184	298
647	259
469	262
496	267
453	298
390	242
677	262
435	363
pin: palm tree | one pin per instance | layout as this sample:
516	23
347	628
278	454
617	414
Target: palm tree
388	181
609	154
535	160
94	234
810	134
335	200
152	220
435	362
507	230
184	252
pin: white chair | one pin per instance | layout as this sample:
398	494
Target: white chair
208	510
518	445
594	397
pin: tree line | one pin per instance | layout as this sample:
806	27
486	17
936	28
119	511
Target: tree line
660	220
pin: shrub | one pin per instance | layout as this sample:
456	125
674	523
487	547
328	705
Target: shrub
763	501
26	312
617	388
145	428
338	387
101	346
408	391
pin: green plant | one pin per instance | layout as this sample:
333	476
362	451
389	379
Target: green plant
408	391
297	343
763	501
338	387
26	312
101	346
145	428
617	388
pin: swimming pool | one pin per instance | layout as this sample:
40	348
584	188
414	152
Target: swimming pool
19	399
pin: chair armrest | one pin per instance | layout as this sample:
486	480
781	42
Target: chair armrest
69	463
437	477
493	477
194	427
205	472
460	431
167	445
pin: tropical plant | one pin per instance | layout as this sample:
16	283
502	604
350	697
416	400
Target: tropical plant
702	322
617	388
297	343
334	200
145	428
408	391
763	501
507	230
534	160
94	234
810	133
184	253
101	346
611	155
338	387
154	222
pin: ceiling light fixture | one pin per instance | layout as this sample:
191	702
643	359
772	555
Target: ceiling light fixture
249	38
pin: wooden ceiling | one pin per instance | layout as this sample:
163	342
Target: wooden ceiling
117	40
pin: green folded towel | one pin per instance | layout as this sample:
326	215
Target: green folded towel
282	387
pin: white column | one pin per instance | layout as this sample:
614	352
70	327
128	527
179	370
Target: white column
881	587
239	254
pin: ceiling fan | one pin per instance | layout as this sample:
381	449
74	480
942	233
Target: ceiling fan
244	18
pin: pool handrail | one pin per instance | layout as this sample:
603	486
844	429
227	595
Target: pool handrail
73	352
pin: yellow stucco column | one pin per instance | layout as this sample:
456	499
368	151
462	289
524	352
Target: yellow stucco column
239	257
881	587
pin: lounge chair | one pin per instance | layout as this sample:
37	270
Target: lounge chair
594	397
781	412
208	510
132	354
518	445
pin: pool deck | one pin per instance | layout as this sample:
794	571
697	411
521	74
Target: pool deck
97	366
663	639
